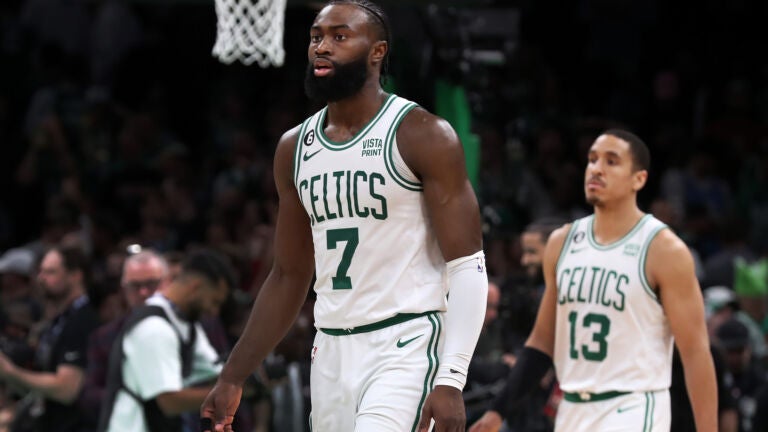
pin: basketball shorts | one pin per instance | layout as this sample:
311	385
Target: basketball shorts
376	378
636	412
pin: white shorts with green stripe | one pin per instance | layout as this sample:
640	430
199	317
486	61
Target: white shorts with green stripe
631	412
374	381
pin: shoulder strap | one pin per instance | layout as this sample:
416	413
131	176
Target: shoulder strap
155	419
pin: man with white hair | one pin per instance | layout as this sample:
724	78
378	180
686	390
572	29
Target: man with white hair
144	274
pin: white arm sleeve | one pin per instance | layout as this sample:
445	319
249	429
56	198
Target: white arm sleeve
467	299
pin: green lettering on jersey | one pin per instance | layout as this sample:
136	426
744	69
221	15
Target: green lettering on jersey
599	336
304	185
602	287
313	198
603	300
364	176
579	298
572	283
339	175
330	215
380	214
620	306
560	291
349	192
595	270
362	200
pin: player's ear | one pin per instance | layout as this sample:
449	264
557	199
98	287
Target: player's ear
639	179
378	52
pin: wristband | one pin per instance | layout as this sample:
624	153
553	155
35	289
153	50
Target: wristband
531	366
467	299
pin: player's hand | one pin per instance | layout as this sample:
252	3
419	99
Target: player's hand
490	422
445	405
218	409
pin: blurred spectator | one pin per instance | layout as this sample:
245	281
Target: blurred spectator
16	267
520	296
162	357
744	375
61	352
222	341
536	413
174	260
721	304
682	414
751	286
16	320
489	363
143	274
719	267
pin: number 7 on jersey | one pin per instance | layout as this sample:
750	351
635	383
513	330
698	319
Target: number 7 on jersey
349	236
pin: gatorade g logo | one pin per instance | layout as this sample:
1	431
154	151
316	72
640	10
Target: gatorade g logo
309	138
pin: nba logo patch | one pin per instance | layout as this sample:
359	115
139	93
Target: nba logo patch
480	264
312	356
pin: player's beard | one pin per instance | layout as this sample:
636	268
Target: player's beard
346	80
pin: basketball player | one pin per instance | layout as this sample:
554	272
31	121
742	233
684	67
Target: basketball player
619	287
374	198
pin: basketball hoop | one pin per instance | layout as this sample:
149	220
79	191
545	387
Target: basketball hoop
250	31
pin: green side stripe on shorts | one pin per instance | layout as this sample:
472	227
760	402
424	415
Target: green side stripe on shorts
432	346
650	406
434	350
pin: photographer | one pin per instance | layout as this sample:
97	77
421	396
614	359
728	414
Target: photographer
61	353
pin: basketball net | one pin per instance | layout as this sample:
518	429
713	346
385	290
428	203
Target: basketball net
250	31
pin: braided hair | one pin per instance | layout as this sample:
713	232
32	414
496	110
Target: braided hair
380	21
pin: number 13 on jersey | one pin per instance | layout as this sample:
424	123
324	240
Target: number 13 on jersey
600	325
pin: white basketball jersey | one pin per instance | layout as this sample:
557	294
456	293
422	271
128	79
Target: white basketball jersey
375	253
611	333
